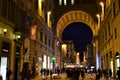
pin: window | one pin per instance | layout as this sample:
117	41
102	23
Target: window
119	3
49	42
72	2
60	2
109	28
36	5
46	40
41	36
65	2
4	8
115	33
114	9
105	34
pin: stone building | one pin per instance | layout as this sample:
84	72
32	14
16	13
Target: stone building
109	35
25	36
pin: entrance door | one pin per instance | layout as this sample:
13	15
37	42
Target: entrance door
3	66
16	68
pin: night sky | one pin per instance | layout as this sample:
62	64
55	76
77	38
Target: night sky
80	33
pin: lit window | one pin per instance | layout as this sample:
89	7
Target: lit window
115	33
48	19
60	2
44	62
72	2
65	2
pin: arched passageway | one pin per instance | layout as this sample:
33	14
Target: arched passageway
80	33
87	29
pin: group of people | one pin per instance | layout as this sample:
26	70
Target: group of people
74	73
48	72
107	73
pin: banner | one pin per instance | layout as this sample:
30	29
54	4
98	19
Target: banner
33	32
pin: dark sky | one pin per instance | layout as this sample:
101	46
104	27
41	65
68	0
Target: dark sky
80	33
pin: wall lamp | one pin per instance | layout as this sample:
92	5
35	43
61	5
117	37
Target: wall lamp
17	36
5	31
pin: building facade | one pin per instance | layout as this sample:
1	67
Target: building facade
25	36
109	36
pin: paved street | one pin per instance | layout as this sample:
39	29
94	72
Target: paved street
64	77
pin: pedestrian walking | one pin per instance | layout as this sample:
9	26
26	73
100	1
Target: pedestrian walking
1	77
8	73
26	72
97	75
118	73
82	74
51	72
110	73
41	72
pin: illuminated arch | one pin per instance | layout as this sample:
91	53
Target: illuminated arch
75	16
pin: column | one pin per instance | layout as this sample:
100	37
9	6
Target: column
114	65
12	59
98	16
55	52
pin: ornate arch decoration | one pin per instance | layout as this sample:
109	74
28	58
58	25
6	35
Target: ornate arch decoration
75	16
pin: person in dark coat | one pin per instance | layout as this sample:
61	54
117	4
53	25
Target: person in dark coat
82	74
1	77
110	73
51	72
8	74
97	75
26	72
76	74
118	73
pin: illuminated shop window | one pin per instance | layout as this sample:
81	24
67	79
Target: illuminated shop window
60	2
111	64
44	62
40	7
65	2
3	66
48	62
72	2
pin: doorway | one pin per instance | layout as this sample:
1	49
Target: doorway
3	66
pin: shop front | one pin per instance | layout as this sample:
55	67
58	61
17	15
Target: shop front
5	58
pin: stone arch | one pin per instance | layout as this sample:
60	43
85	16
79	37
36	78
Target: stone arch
75	16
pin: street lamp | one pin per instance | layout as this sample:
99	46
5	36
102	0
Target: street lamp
5	31
102	15
98	16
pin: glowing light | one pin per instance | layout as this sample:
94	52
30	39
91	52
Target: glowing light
102	4
5	30
98	16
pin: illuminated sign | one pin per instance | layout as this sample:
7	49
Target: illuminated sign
33	31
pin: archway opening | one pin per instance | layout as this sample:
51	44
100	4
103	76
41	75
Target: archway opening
80	34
